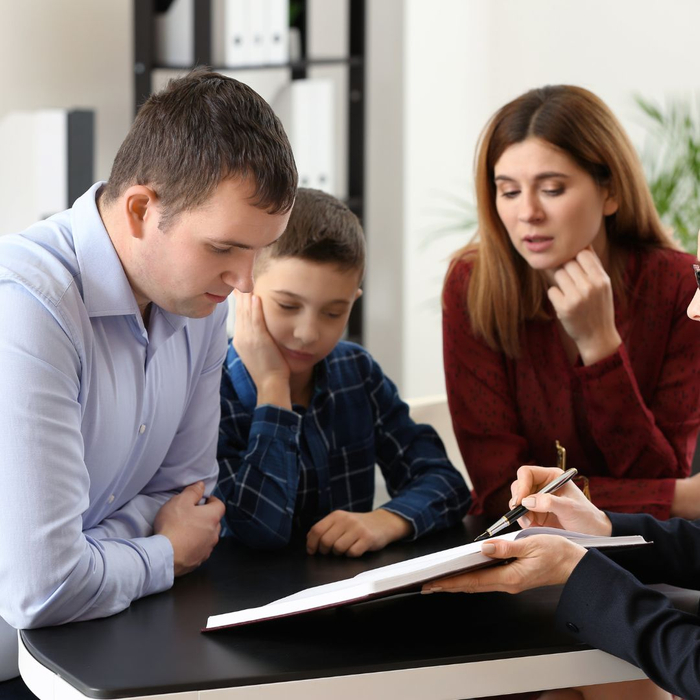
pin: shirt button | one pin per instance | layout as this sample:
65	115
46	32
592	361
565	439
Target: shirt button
142	429
111	499
572	627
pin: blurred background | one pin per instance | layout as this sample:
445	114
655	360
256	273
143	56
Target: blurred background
383	100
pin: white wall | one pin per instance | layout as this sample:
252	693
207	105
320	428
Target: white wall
447	39
384	186
462	59
70	54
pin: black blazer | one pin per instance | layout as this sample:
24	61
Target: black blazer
606	604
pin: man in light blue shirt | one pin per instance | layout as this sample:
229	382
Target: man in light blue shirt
112	338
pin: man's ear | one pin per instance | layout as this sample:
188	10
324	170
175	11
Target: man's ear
140	206
358	294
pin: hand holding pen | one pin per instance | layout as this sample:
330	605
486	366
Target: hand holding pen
536	561
519	511
568	508
512	515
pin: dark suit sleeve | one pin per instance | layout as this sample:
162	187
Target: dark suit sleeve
605	606
674	557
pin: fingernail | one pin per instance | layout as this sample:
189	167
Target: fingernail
530	502
488	548
511	503
434	589
427	591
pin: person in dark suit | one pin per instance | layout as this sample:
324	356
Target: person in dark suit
605	602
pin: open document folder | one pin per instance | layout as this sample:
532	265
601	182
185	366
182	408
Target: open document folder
400	577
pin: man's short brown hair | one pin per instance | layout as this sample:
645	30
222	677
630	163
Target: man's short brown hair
321	229
201	129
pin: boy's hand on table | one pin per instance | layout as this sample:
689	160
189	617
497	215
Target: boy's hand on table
259	352
193	530
353	534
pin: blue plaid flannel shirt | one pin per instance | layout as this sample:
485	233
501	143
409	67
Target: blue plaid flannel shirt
282	470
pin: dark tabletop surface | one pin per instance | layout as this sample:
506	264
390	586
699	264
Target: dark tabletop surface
156	645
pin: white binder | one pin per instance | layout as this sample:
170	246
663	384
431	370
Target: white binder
323	130
243	33
306	109
258	32
48	151
237	33
174	34
278	31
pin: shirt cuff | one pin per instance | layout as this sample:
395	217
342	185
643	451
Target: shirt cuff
627	523
579	609
605	366
275	422
407	513
161	570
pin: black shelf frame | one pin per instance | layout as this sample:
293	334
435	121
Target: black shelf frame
144	12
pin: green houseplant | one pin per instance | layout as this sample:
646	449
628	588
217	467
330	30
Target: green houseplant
671	159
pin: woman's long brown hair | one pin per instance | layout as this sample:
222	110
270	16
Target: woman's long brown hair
504	291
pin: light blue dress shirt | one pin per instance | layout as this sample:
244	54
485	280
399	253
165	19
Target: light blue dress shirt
102	422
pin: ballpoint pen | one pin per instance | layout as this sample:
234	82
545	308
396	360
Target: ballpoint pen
512	515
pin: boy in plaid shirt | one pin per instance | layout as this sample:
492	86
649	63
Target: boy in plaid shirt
306	416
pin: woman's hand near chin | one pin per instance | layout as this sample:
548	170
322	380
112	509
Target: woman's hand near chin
582	297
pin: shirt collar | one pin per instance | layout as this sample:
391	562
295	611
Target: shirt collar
106	289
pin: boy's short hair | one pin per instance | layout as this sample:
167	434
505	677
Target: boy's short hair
321	229
201	129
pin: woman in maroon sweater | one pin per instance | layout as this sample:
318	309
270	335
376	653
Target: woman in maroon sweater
566	320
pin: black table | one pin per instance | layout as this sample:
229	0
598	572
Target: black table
410	646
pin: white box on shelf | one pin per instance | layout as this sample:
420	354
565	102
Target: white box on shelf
258	32
35	153
243	33
293	107
306	109
47	161
235	31
50	161
277	24
323	115
174	34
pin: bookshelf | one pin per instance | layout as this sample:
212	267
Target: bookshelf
145	65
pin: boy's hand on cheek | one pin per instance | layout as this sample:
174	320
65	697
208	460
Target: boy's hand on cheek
353	534
259	352
583	301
